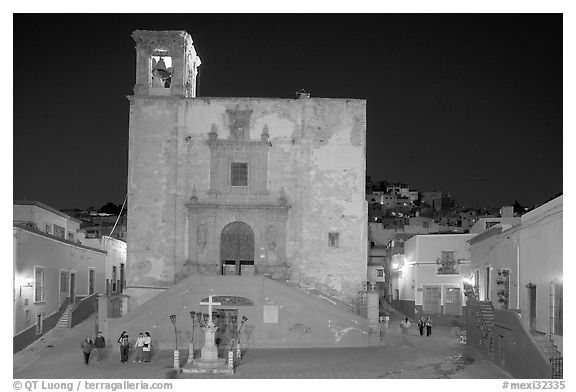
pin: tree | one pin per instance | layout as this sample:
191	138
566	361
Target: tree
110	208
518	208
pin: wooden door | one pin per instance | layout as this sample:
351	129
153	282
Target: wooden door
72	288
236	246
531	306
453	301
432	299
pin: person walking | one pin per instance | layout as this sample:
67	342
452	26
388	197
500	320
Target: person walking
99	343
124	341
428	326
147	346
405	325
139	345
421	325
87	346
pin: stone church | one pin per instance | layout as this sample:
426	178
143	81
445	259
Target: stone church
258	201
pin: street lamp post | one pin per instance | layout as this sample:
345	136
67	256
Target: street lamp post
176	354
191	347
238	347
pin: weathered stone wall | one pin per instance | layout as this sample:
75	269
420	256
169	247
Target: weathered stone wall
317	155
278	316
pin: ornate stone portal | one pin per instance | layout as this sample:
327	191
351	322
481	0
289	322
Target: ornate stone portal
237	227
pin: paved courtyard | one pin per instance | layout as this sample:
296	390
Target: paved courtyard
437	356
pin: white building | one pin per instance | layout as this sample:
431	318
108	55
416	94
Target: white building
431	272
520	268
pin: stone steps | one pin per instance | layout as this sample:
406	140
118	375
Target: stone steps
63	321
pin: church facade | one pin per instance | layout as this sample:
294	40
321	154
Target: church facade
240	186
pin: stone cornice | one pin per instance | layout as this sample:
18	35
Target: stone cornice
236	205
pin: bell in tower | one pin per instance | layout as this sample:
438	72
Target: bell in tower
166	63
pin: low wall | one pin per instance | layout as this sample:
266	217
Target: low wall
474	337
278	316
84	309
26	337
405	307
515	350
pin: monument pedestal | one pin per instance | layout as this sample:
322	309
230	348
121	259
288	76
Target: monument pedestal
208	361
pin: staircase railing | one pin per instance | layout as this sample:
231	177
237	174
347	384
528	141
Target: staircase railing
472	299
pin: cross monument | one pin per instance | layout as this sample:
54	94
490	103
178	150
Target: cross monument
210	303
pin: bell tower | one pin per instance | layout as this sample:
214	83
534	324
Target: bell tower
166	64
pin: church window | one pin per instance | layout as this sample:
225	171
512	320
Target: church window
334	240
239	172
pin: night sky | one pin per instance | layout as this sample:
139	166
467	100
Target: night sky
450	97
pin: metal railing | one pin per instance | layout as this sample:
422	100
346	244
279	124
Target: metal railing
557	367
473	300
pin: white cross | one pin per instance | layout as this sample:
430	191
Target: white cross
210	303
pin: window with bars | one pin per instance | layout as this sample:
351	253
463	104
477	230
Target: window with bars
114	287
239	174
447	264
38	284
63	282
90	281
334	240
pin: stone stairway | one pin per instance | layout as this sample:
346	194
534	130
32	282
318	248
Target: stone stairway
486	313
324	297
547	346
550	351
63	322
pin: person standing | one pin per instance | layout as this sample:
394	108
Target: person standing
428	326
405	325
87	346
421	324
124	341
147	347
139	345
99	343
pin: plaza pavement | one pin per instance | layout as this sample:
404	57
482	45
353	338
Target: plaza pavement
411	357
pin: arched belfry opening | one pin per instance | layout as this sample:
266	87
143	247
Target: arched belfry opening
236	248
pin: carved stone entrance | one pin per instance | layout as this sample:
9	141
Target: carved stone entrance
236	248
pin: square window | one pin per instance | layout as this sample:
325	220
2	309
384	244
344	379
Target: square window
380	273
333	240
239	171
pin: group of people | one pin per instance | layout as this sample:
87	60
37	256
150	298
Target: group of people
424	322
142	344
89	345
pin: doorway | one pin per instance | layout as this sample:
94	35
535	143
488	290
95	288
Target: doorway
72	287
531	305
236	248
227	322
432	301
487	285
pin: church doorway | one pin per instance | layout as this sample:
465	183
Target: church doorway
227	322
236	248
